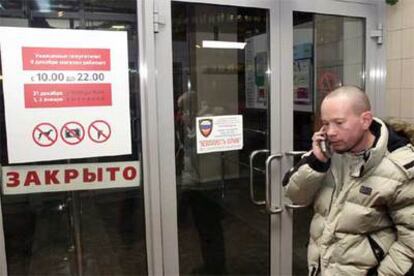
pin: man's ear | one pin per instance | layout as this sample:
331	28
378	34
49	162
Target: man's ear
366	119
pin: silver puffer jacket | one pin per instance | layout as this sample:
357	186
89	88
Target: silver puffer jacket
363	205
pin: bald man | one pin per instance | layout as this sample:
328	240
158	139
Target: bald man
361	186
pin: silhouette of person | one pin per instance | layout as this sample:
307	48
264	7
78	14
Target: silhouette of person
202	198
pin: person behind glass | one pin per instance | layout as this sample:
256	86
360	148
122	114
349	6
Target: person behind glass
200	197
359	178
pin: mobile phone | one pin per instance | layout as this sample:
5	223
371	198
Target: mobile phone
325	148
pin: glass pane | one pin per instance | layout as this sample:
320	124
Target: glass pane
339	52
53	5
10	5
93	232
113	6
220	230
329	51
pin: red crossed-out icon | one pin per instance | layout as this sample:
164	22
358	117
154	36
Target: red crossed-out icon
45	134
99	131
328	81
72	133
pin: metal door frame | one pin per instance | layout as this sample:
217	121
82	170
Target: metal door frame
150	151
374	13
165	115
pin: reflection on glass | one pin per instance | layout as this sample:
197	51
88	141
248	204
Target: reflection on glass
54	5
329	51
220	56
10	5
96	232
59	8
339	52
113	6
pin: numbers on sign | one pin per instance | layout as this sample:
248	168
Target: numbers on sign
91	77
83	76
50	77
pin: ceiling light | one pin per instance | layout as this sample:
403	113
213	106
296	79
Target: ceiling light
223	44
118	27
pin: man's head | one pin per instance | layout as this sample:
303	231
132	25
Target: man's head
346	116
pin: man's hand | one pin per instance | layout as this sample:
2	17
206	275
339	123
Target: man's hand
317	138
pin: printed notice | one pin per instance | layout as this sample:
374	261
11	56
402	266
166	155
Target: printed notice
66	93
47	58
69	177
219	133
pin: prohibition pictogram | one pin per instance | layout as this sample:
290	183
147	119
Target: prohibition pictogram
72	133
99	131
328	81
45	134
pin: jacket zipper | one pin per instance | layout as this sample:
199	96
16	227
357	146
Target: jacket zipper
376	249
335	186
333	193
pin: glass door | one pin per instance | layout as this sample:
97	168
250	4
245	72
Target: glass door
225	109
75	232
221	89
329	46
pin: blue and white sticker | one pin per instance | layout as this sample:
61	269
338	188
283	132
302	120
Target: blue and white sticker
219	133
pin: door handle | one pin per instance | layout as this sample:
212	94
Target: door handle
271	209
294	206
251	172
295	153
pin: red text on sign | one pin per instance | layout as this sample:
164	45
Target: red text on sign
68	176
67	95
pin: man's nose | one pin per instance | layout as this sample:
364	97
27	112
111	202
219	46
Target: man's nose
330	131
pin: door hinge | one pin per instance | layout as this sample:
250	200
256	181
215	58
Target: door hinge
158	20
378	34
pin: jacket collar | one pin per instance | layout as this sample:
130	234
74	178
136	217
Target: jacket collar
362	163
379	150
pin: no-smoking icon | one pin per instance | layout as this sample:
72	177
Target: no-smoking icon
99	131
45	134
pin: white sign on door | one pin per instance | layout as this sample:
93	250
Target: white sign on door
219	133
66	93
70	177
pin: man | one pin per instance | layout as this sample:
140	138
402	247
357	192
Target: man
362	195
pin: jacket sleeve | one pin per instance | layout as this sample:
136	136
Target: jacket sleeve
400	256
303	181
